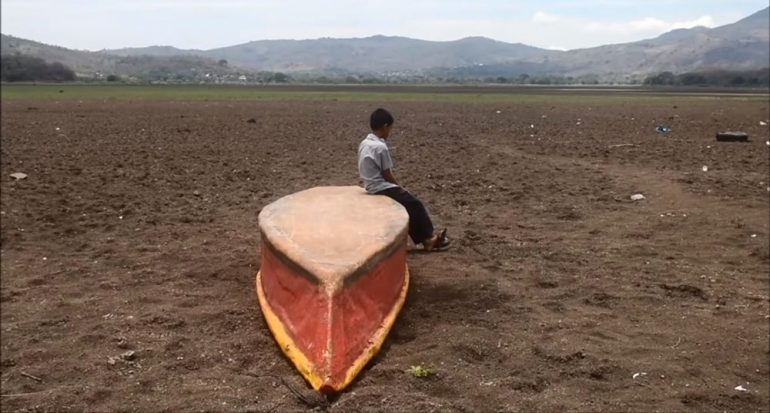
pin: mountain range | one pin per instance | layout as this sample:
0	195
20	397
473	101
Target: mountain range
743	45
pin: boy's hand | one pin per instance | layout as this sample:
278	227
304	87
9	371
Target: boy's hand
388	175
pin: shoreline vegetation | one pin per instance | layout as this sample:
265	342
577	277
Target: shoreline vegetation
23	68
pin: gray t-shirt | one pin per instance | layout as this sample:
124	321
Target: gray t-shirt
373	159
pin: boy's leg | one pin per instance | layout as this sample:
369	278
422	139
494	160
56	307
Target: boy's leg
420	225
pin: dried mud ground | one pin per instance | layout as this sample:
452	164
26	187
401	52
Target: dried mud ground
136	231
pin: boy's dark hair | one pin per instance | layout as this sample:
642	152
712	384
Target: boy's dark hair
380	118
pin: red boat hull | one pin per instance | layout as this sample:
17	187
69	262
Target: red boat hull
330	326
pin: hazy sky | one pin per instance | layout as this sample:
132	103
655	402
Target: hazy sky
202	24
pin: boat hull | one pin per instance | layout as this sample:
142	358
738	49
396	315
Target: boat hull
346	344
333	279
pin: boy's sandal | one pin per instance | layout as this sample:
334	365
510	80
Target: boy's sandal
442	242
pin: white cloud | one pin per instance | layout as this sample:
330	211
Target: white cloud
574	31
543	17
648	23
706	21
646	26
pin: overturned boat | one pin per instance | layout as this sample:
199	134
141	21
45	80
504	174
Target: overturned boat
333	278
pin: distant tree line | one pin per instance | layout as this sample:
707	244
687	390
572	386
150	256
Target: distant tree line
542	79
196	70
522	79
748	78
23	68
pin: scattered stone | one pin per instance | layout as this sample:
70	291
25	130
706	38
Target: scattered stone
732	136
498	112
662	129
637	197
741	388
252	120
705	168
128	355
196	193
18	175
762	123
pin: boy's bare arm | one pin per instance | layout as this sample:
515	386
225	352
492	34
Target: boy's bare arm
388	175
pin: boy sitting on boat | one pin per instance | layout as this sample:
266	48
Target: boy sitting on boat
375	166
